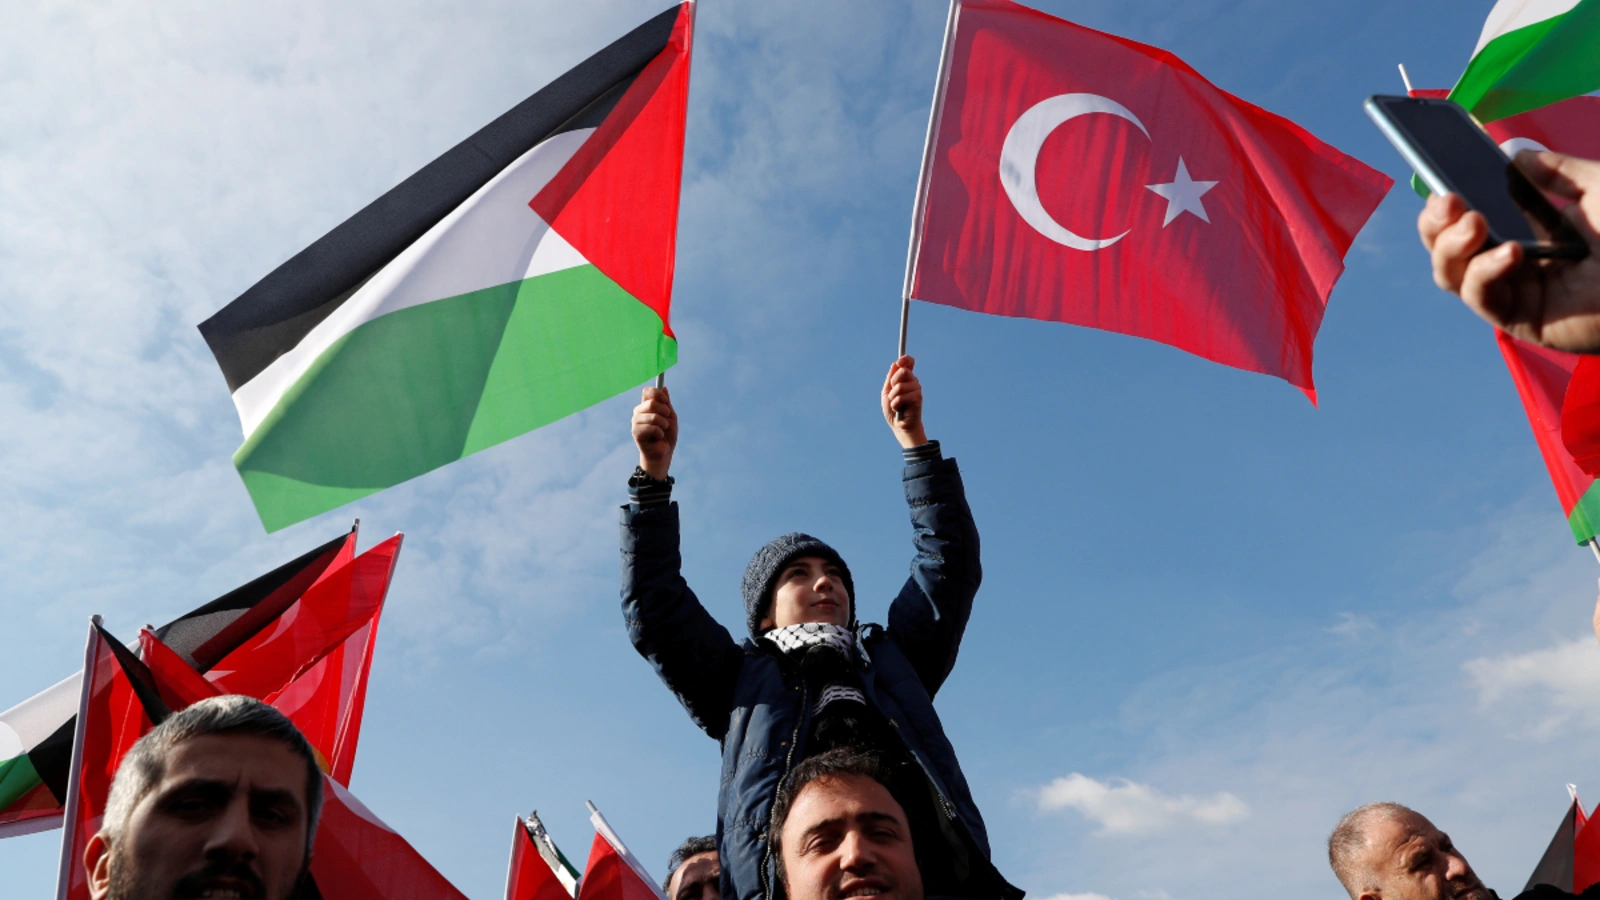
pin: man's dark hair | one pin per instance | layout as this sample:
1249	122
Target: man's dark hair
690	848
840	762
146	763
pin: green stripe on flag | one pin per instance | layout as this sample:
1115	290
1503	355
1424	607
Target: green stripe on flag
1585	514
1534	66
17	778
427	385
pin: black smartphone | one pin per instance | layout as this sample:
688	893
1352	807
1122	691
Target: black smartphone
1452	154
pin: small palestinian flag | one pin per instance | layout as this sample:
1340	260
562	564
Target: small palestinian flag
1531	53
538	871
36	735
522	276
119	703
1572	861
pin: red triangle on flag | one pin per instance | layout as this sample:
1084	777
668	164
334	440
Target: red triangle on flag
616	200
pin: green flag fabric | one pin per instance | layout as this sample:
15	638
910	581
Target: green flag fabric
1531	53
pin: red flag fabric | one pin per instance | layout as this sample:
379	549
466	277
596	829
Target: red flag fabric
358	857
313	666
1541	376
608	876
177	683
327	698
1585	855
119	705
1079	177
330	611
530	877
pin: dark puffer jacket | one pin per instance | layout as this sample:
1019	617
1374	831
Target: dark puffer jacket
749	697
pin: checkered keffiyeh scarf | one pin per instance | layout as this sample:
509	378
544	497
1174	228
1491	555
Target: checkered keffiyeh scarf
800	640
792	638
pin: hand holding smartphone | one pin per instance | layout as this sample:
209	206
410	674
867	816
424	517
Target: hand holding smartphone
1453	155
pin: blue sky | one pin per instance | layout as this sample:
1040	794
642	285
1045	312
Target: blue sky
1214	617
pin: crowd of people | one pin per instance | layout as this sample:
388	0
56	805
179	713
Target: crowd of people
838	780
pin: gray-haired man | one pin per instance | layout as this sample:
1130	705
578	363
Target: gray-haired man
220	800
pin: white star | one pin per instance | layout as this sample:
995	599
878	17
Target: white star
1183	195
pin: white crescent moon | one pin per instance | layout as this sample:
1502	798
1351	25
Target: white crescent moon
1514	146
1019	161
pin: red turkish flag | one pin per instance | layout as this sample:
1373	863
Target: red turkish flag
1079	177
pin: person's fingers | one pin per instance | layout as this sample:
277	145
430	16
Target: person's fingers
1485	288
658	407
1454	247
902	397
1440	212
660	424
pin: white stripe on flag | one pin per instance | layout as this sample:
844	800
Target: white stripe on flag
1509	15
493	238
38	717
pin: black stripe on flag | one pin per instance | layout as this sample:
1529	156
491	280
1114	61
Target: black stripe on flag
271	317
1555	867
143	683
52	758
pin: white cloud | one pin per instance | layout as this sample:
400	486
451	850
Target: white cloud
1077	897
1120	806
1351	625
1544	690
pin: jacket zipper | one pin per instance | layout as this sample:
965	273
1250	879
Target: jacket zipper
788	763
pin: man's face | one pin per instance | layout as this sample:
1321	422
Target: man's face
1412	860
808	589
847	837
228	819
696	879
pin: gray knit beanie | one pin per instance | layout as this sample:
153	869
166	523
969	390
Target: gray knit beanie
770	560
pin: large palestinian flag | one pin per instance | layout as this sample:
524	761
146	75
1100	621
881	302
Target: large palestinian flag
522	276
36	735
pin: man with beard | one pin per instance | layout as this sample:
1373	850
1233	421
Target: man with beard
219	800
693	872
839	832
810	678
1385	851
